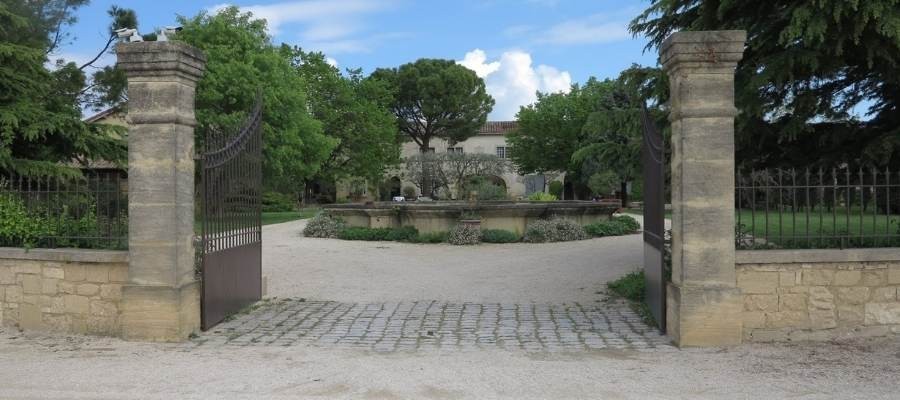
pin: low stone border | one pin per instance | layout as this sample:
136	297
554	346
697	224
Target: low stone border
816	255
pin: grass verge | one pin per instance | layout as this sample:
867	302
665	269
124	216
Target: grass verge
632	287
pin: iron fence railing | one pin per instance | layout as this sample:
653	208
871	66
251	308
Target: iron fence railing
88	211
840	207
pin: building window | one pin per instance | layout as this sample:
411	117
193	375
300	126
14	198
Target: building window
501	152
457	150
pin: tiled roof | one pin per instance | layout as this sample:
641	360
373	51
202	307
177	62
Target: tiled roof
497	127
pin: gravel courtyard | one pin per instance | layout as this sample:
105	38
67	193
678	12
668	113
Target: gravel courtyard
356	271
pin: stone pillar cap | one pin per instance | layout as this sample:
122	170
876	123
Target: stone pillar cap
154	59
706	48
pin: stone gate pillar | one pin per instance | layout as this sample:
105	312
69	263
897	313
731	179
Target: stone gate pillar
161	301
704	303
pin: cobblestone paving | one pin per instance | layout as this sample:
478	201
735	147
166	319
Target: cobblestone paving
432	325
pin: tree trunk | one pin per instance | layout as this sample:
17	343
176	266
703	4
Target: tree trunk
427	189
623	193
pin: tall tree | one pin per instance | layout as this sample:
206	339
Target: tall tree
436	99
550	131
808	66
241	60
355	112
41	131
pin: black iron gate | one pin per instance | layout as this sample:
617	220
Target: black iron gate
231	240
653	160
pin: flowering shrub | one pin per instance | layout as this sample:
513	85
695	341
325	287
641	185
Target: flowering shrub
553	230
323	226
464	235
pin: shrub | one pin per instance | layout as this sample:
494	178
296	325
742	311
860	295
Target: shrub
403	234
499	236
464	235
541	196
277	202
556	188
409	192
553	230
617	226
323	226
17	226
430	237
488	191
363	233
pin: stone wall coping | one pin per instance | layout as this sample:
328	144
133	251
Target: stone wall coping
65	255
816	256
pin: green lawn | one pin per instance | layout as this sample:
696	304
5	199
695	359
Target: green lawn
269	218
791	230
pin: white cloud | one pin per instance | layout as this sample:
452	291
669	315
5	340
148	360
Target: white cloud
332	62
590	30
330	26
512	80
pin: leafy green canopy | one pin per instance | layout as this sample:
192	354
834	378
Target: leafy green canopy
241	60
41	130
807	66
437	99
355	112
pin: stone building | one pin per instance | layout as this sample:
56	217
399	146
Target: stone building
490	139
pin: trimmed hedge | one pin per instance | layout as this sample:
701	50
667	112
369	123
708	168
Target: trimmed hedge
403	234
430	237
499	236
617	226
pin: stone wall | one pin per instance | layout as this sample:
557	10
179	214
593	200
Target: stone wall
819	294
65	290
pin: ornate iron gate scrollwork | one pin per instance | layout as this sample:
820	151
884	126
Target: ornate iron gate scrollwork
231	237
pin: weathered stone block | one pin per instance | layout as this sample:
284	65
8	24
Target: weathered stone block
754	319
13	294
49	286
26	267
54	273
851	314
787	319
884	294
818	277
111	291
893	275
118	274
101	325
761	302
7	276
88	289
66	287
853	295
53	305
77	304
768	335
97	274
31	284
876	277
74	272
757	282
882	313
792	302
101	308
847	278
788	278
31	299
822	319
30	317
705	316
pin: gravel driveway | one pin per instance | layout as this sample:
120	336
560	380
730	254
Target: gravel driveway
339	270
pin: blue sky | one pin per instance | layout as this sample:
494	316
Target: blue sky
518	46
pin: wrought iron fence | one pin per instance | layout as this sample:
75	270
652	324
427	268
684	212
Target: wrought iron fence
88	211
840	207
